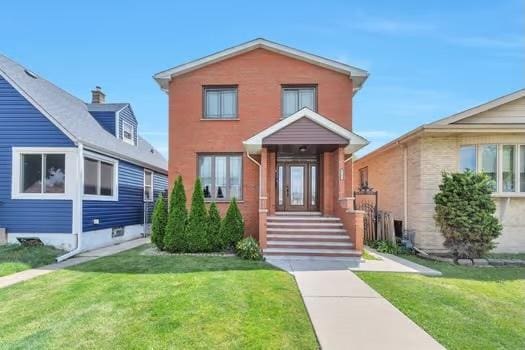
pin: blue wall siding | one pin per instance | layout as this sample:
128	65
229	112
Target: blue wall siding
128	210
22	125
127	115
106	119
160	184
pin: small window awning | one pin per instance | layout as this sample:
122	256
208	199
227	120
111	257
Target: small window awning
305	127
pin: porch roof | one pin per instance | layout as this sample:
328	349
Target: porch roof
340	135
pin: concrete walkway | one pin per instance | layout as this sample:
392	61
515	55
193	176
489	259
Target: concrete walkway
26	275
348	314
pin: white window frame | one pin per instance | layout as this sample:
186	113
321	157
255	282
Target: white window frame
499	167
70	171
148	185
101	158
132	127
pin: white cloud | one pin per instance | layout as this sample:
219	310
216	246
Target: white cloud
512	42
377	134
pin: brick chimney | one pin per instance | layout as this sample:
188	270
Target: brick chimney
97	96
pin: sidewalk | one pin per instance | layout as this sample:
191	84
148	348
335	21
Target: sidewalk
26	275
348	314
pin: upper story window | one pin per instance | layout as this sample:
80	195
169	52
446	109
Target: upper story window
128	132
296	97
504	164
100	178
221	176
148	186
220	102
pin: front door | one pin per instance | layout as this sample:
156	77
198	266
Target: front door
296	186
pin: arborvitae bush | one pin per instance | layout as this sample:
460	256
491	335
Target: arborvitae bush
465	214
232	226
174	237
159	222
214	227
197	228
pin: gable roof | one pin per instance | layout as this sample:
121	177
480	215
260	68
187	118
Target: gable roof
355	142
455	118
72	117
105	107
451	123
358	75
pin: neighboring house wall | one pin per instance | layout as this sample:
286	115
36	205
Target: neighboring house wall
428	157
106	119
22	125
127	115
259	75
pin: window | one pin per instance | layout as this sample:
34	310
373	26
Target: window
504	164
148	186
363	177
220	102
508	168
221	176
100	178
489	162
467	158
295	98
522	168
43	173
128	132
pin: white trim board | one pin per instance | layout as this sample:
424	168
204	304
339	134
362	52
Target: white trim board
355	142
359	75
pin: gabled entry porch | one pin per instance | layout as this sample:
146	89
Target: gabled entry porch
305	168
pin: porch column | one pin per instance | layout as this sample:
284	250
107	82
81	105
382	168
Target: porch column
341	173
328	184
263	197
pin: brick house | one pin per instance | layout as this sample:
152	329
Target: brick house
489	138
271	126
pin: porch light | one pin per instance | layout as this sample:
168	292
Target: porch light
302	148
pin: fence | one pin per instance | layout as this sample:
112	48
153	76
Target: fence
378	224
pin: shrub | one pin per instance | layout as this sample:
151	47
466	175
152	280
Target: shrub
159	222
232	226
174	237
214	227
248	249
465	214
197	228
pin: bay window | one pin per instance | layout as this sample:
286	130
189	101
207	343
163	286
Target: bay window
221	176
504	164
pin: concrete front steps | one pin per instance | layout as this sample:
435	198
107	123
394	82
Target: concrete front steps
307	234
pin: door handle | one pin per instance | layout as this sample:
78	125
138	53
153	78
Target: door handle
287	192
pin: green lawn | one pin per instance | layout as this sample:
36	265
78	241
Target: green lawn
15	257
466	308
132	301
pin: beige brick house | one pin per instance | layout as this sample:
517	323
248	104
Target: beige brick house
489	138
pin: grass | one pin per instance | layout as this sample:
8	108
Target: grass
134	301
16	257
466	308
367	256
511	256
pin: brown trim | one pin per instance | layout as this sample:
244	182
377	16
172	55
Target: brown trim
221	154
299	86
219	87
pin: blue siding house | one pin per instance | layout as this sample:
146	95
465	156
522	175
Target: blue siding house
75	175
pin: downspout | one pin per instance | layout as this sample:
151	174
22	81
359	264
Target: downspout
77	223
405	185
259	165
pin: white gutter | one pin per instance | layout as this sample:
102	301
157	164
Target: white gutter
77	207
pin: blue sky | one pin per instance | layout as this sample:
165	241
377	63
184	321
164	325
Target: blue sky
427	59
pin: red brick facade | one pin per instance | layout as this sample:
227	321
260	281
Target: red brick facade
259	75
